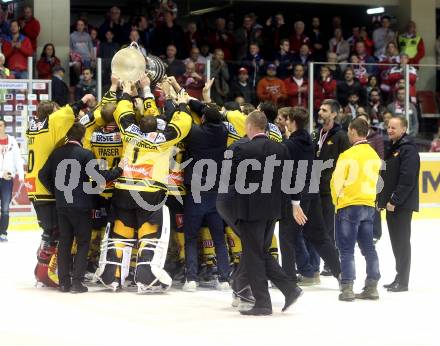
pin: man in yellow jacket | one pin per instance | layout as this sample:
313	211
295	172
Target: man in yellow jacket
353	187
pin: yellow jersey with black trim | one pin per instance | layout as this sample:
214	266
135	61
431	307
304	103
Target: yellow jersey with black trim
42	138
233	135
150	107
148	154
93	120
274	133
238	120
106	145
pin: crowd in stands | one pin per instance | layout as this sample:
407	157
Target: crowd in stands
255	61
252	59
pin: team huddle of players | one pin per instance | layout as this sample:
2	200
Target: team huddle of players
134	239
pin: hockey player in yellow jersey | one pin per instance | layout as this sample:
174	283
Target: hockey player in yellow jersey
106	145
139	195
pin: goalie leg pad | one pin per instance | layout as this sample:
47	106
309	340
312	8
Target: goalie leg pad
152	253
114	261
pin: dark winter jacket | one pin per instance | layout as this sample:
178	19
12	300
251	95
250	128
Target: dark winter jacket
205	142
401	176
51	172
334	145
301	148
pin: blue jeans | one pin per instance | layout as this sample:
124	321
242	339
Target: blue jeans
193	216
5	198
307	259
355	223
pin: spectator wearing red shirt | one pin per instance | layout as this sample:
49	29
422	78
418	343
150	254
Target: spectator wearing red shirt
397	73
362	54
17	48
391	56
220	39
192	81
360	72
325	87
47	62
297	88
197	59
298	38
369	44
270	88
30	26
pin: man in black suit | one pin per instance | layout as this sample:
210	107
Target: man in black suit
66	174
400	197
60	90
257	206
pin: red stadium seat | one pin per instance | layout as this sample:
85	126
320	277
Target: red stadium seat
428	104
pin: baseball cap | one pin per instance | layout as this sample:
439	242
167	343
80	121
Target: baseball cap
243	70
271	66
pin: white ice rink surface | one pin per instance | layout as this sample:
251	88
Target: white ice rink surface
32	317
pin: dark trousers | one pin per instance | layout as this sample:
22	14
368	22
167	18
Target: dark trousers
399	227
315	231
307	259
377	225
224	207
193	217
260	265
328	213
5	198
288	232
73	223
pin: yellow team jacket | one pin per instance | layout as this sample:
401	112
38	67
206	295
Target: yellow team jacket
148	154
43	137
355	177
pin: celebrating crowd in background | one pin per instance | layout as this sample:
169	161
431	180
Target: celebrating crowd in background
252	59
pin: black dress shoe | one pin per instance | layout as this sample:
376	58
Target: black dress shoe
292	297
257	312
398	288
395	282
78	288
65	288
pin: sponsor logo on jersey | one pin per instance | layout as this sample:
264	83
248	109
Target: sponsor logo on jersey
30	185
35	125
138	171
175	178
100	138
85	119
